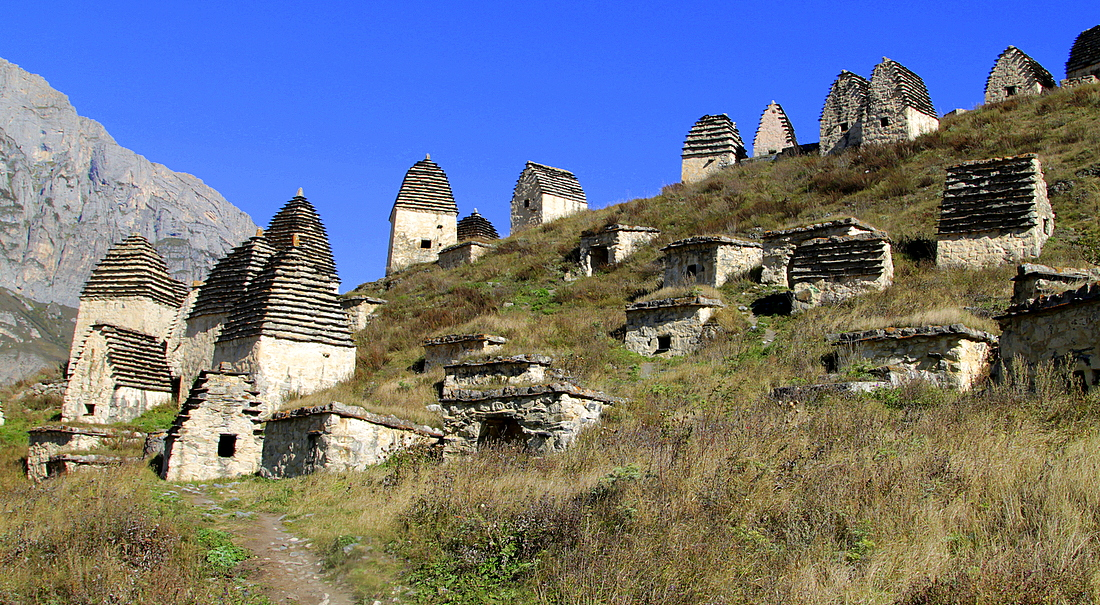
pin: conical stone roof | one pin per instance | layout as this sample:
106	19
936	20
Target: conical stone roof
426	189
711	136
476	226
231	277
554	181
904	84
1085	51
133	269
299	217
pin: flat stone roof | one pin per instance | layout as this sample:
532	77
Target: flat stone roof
1084	294
711	240
566	388
683	301
353	411
541	360
913	332
1034	270
85	430
816	226
455	338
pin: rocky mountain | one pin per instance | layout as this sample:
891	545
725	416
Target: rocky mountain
68	191
33	335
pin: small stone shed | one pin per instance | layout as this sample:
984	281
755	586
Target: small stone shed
56	450
336	437
1032	281
712	144
670	326
445	350
954	355
709	260
1084	56
775	133
360	308
1015	74
828	270
780	245
543	194
993	212
612	245
463	253
1059	329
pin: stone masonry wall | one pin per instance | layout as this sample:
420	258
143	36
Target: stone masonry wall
409	231
359	310
281	367
709	261
1061	328
829	270
464	253
954	356
1033	281
619	242
47	443
1016	74
775	132
195	351
680	321
138	314
842	116
95	393
499	371
447	350
989	249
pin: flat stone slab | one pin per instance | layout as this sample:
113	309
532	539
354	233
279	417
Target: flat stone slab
704	240
913	332
684	301
352	411
457	338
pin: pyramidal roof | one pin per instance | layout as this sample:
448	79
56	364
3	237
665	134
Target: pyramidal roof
299	217
847	85
426	189
292	299
1026	65
136	360
713	135
905	84
1085	50
774	119
133	269
231	276
476	226
996	193
555	181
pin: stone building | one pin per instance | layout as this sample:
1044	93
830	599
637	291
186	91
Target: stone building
670	326
297	225
780	245
993	212
336	437
514	400
1084	56
712	144
57	450
842	116
710	260
476	227
445	350
775	133
359	308
288	331
1032	281
119	375
612	245
1015	74
1058	329
544	194
898	106
219	430
463	253
424	217
828	270
954	356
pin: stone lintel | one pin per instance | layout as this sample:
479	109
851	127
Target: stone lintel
836	223
457	338
711	240
566	388
89	431
541	360
1085	294
352	411
913	332
685	301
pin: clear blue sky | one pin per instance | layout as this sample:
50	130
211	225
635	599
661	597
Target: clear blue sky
260	98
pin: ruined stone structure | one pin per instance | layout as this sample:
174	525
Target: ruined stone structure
1059	329
842	116
463	253
446	350
543	194
898	106
57	450
1032	281
336	437
779	246
670	326
476	227
359	308
712	144
709	260
955	356
1015	74
424	217
218	432
1084	56
828	270
119	375
775	133
612	245
516	400
289	330
993	212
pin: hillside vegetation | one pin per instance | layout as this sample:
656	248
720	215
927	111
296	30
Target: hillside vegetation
698	488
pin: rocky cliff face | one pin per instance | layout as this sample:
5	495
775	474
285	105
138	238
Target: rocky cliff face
68	191
33	335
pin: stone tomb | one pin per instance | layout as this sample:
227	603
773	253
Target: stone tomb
516	400
712	144
424	219
445	350
336	437
828	270
775	133
709	260
543	194
668	327
476	227
1032	281
955	356
1059	329
842	116
56	450
898	106
1084	56
612	245
993	212
780	245
463	253
1015	74
359	308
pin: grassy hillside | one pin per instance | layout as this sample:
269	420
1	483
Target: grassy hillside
698	488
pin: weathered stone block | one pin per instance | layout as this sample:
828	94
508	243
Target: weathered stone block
55	450
1059	329
1032	281
612	245
463	253
360	308
779	246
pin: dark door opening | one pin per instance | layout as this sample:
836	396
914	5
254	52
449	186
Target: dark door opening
227	445
600	256
664	343
693	272
501	430
89	409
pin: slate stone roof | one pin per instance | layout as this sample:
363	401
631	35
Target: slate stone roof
426	189
352	411
710	240
711	136
1085	51
983	195
907	86
555	181
133	269
231	276
846	96
1085	294
840	222
528	360
292	300
834	258
1026	64
913	332
299	217
476	226
136	360
472	395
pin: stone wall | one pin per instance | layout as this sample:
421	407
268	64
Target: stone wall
446	350
195	351
779	245
829	270
49	446
842	116
360	309
712	144
1059	329
989	249
138	314
336	437
1032	281
612	245
954	356
499	371
1015	74
282	367
1084	55
463	253
418	237
119	376
708	260
668	327
775	132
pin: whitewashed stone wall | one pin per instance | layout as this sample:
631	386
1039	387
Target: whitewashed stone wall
411	229
953	356
50	448
531	207
775	133
614	244
1061	329
778	246
463	254
901	123
93	387
446	350
679	321
138	314
359	310
698	169
709	261
281	367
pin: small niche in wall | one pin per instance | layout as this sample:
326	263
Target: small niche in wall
227	445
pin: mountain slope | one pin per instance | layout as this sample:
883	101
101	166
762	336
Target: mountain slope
33	335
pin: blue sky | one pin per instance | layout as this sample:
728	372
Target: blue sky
260	98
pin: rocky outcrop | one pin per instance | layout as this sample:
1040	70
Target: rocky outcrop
33	335
68	191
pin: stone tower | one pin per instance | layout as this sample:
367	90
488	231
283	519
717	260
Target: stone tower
775	133
423	220
476	227
298	218
842	116
543	194
1084	57
712	144
898	105
1016	74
